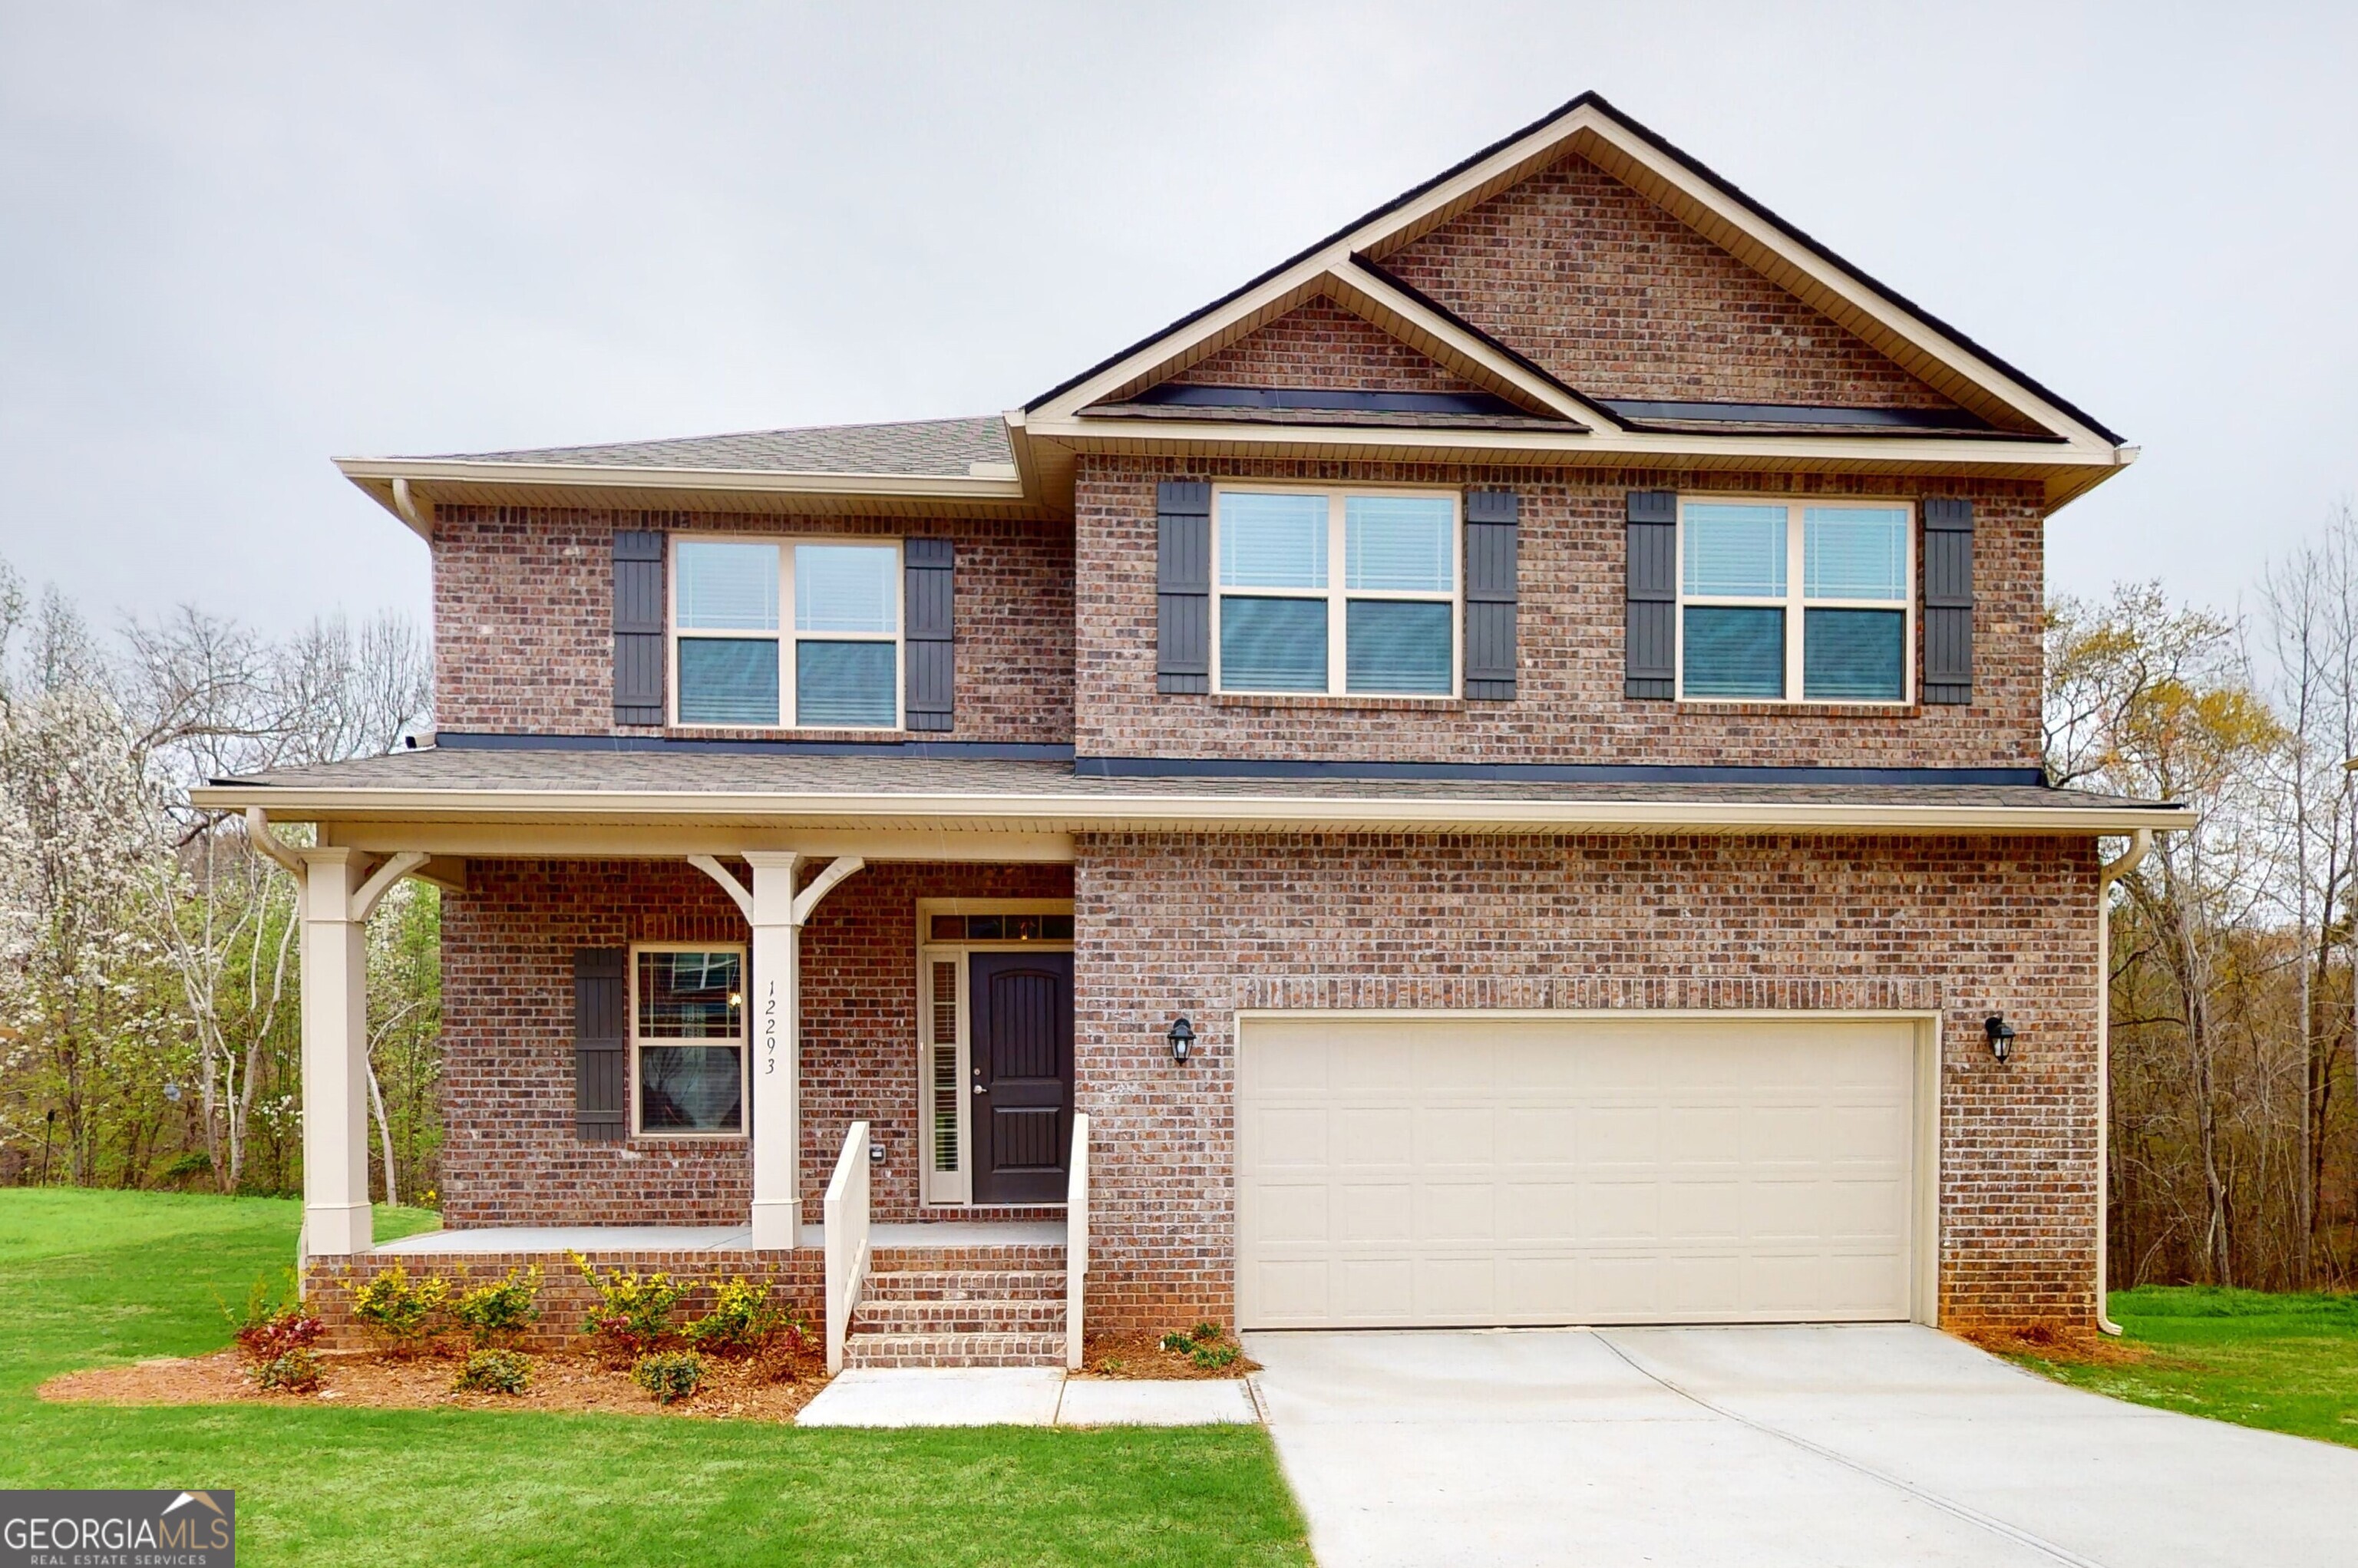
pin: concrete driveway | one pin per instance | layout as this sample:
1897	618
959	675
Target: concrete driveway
1759	1446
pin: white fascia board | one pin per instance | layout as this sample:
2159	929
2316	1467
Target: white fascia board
603	476
1649	447
1080	813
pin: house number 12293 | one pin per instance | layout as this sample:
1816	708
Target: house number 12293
769	1027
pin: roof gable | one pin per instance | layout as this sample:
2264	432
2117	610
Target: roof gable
1875	322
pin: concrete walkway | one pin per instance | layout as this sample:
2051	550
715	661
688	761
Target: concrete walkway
1020	1396
1768	1447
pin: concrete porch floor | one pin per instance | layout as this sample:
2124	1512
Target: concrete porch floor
602	1238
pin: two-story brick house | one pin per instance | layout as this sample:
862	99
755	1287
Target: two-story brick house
1497	763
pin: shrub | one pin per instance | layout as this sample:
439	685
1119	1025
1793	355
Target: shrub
669	1375
491	1313
269	1329
1211	1357
744	1321
293	1371
397	1311
1175	1340
1205	1332
634	1311
494	1372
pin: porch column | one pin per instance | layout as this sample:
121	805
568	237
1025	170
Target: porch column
776	913
776	1060
335	1039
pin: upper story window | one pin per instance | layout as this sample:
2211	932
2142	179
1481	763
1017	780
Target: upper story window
1342	593
806	634
1804	601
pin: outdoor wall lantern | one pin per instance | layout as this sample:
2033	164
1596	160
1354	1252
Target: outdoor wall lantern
1183	1040
2001	1035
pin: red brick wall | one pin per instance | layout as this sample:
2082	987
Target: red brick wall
1620	299
523	617
1323	345
507	988
1569	706
1204	926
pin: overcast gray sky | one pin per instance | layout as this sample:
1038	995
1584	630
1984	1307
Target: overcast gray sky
236	240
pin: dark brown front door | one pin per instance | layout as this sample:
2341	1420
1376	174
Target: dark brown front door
1022	1051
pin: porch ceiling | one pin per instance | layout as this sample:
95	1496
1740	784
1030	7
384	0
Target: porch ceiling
898	806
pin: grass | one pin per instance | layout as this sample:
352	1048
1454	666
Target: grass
90	1278
2287	1362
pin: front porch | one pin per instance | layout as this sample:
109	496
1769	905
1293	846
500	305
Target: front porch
770	1063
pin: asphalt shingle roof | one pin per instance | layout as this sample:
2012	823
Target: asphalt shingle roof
896	773
929	447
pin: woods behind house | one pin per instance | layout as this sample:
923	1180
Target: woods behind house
148	988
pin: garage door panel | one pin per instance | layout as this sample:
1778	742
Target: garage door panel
1374	1212
1480	1171
1456	1135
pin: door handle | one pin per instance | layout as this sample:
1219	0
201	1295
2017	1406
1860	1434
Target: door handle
980	1089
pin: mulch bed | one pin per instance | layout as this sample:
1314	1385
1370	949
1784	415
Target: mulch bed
1141	1356
773	1388
2072	1346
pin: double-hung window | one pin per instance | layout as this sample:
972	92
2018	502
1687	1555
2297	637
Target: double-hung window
1799	601
1336	593
804	635
687	1040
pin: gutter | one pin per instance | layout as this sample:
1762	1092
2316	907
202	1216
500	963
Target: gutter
2140	843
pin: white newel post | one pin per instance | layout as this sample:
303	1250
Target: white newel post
776	1067
335	1074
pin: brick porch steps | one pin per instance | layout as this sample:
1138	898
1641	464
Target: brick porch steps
972	1308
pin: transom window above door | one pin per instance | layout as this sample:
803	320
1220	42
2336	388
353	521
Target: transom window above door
1796	601
794	633
1336	593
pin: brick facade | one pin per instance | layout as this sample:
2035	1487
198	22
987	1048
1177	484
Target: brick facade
1322	345
507	1037
1618	298
1568	706
523	617
1204	926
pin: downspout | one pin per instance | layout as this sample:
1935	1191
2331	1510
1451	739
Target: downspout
2111	872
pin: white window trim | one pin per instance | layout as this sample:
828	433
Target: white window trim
785	634
1795	602
744	1014
1337	597
955	1189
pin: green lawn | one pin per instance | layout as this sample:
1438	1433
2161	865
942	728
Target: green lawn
90	1277
2289	1363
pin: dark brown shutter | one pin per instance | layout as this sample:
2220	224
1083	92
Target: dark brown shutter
929	568
601	1095
638	627
1491	559
1948	599
1650	653
1183	586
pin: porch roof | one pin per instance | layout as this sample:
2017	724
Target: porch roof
893	790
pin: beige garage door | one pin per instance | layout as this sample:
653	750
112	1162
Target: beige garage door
1468	1171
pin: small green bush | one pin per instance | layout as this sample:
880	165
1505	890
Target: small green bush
494	1372
669	1375
294	1372
1175	1340
1211	1357
400	1312
634	1311
270	1328
495	1313
743	1320
1205	1332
